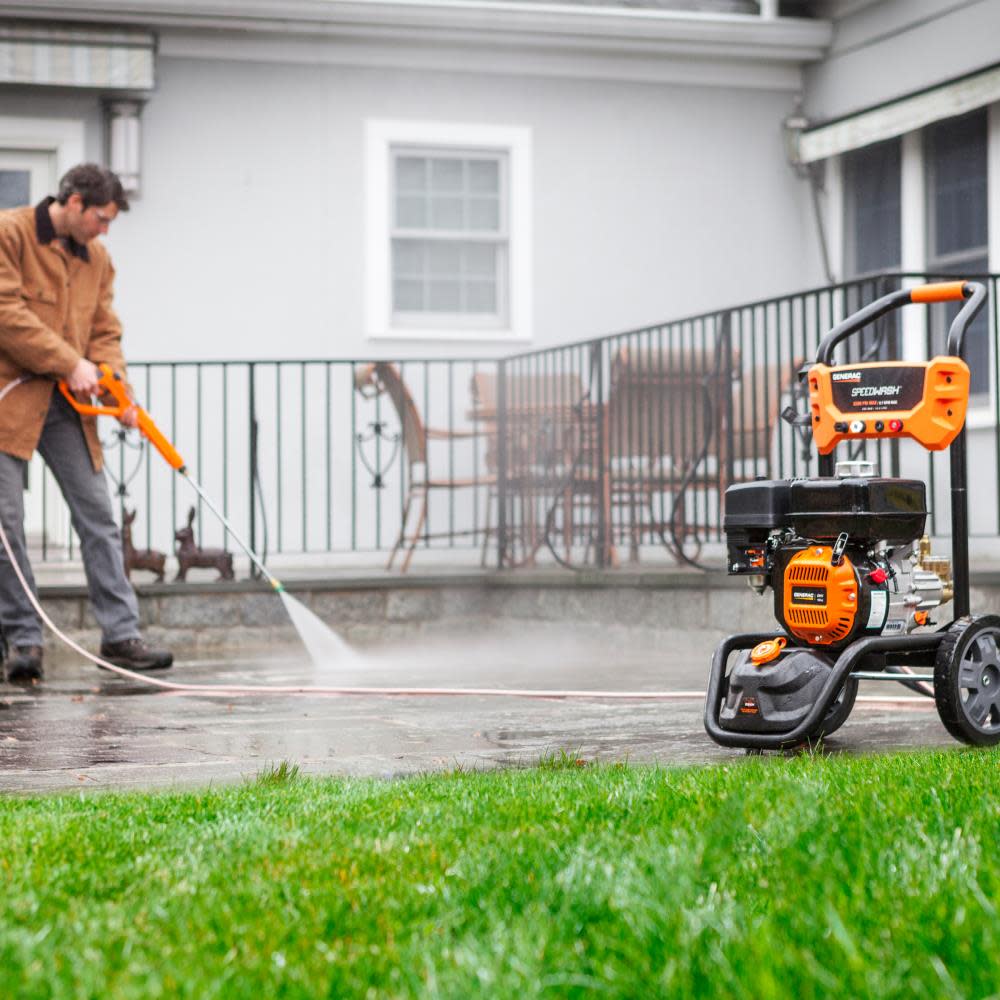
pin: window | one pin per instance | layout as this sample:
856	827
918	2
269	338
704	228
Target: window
449	237
873	230
448	240
872	178
957	234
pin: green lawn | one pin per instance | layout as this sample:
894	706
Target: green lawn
835	877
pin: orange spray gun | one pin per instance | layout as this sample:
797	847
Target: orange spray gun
111	384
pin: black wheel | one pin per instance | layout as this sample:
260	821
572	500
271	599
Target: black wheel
967	680
839	711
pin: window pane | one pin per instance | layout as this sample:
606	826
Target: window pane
872	185
446	213
481	297
957	172
484	213
445	276
484	177
446	176
411	173
411	212
444	259
480	259
15	188
408	296
444	296
407	259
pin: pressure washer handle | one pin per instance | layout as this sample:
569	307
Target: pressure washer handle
946	291
113	385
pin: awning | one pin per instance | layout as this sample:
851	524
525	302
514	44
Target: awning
907	114
106	59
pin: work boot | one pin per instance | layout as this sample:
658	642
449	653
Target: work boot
24	665
134	654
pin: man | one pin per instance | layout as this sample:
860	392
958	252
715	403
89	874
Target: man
57	322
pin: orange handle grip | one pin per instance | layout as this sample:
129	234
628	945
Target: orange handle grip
944	291
112	385
115	387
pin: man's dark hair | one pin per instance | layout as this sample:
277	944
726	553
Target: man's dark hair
96	185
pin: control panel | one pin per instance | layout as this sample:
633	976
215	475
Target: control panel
925	401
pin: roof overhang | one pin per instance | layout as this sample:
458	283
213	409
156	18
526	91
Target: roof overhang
895	118
748	39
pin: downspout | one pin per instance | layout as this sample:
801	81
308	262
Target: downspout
793	127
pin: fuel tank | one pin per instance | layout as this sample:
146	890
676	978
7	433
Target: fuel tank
773	697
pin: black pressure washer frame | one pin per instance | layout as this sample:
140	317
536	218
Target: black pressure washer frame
919	650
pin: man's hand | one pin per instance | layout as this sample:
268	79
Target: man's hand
84	377
130	418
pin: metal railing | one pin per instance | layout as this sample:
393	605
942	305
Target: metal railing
667	416
291	452
591	453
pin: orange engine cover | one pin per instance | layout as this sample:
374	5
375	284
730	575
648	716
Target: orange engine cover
820	600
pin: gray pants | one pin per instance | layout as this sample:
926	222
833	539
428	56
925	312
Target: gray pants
64	449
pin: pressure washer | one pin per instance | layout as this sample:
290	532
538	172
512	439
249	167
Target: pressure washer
845	556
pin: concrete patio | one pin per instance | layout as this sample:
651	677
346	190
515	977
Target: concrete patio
84	729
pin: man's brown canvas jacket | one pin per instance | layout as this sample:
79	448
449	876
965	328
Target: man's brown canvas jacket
55	307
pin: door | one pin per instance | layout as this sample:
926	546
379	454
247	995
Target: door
27	176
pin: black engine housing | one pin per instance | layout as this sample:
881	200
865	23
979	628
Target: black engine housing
866	509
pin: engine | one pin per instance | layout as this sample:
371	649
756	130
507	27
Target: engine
845	557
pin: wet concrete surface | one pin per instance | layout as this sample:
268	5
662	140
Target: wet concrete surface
83	728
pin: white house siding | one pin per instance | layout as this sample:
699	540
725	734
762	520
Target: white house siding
651	201
885	50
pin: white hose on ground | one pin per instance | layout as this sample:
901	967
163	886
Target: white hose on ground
228	690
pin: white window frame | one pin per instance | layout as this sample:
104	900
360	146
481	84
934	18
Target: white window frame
515	142
61	136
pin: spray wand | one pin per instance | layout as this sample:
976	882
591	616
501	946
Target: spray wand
111	384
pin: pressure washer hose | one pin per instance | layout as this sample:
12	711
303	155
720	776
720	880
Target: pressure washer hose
228	690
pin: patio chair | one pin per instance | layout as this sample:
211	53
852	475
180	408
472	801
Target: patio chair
383	378
682	426
583	478
664	415
541	416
